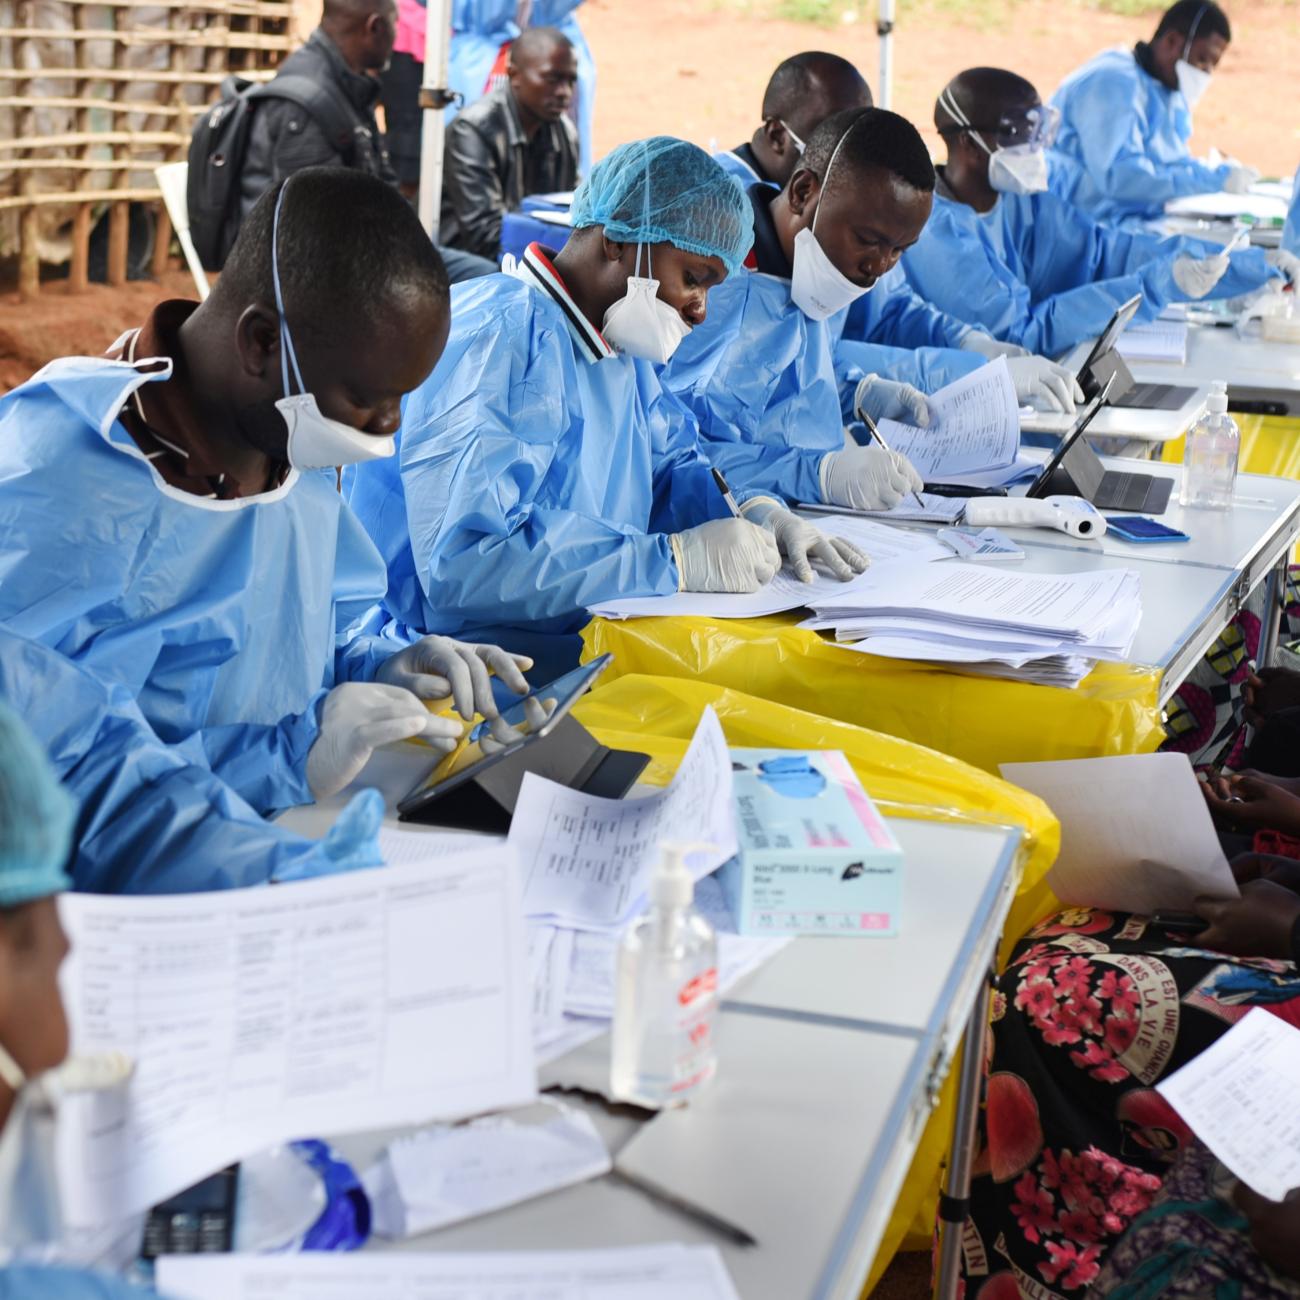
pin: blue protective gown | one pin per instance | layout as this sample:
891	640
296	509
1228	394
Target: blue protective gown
772	389
1040	272
560	13
1291	231
31	1282
529	482
224	619
895	315
479	28
152	818
736	166
1128	134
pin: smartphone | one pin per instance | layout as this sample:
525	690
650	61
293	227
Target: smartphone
1179	922
197	1221
1138	528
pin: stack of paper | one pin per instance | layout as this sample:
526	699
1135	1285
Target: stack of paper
1036	627
1157	340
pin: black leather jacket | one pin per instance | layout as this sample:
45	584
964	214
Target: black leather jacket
285	138
491	165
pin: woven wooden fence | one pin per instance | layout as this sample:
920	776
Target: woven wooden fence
93	97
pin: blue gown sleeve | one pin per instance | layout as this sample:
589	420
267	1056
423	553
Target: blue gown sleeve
1114	152
488	444
34	1282
928	369
895	315
684	493
152	818
360	583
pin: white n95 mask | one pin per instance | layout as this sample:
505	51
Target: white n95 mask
315	441
1192	82
640	323
1018	169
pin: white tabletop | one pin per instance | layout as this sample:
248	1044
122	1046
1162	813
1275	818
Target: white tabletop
830	1056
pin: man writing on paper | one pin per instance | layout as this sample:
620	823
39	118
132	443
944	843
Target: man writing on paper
1126	118
173	517
769	376
544	468
516	141
803	92
1026	265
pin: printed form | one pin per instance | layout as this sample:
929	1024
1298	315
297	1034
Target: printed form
397	995
975	425
632	1273
586	861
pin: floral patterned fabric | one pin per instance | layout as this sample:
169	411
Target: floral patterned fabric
1191	1244
1092	1011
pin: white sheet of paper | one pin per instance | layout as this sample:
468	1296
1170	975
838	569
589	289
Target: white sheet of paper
586	861
399	846
260	1015
550	954
1239	1097
1157	340
449	1173
632	1273
1136	835
884	544
975	425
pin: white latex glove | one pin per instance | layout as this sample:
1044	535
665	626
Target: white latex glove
93	1072
867	478
1287	263
356	719
1196	276
1044	385
887	399
1240	179
800	543
987	346
727	555
436	668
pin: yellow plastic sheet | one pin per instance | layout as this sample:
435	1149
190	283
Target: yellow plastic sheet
659	715
981	720
1270	444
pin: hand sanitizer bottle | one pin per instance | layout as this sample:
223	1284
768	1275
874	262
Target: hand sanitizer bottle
1210	459
666	998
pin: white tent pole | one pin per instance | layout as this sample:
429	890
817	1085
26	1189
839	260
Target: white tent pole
433	101
885	32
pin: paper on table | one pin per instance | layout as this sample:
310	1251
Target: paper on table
1136	835
933	509
1239	1097
975	425
885	545
1157	340
586	861
399	846
632	1273
1263	207
446	1174
550	954
260	1015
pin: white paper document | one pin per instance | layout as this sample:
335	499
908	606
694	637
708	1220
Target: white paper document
1136	835
255	1016
1157	340
449	1173
885	546
586	861
975	425
915	508
631	1273
399	846
1239	1097
1261	206
550	954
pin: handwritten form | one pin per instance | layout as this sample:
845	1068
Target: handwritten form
975	425
633	1273
586	862
255	1016
1136	835
1239	1097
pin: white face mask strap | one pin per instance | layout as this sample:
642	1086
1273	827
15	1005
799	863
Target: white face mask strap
798	144
287	355
826	180
1192	30
11	1072
948	102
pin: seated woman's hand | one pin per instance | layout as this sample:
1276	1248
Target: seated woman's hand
1253	804
1274	1229
1267	866
1258	924
1269	691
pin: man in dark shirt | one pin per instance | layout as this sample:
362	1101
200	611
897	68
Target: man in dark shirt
514	142
803	92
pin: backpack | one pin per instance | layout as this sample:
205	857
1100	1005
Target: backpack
219	145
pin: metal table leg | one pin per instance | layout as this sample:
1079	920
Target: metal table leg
1274	589
954	1202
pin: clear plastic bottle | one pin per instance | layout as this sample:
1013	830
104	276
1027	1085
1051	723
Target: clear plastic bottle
666	997
1210	460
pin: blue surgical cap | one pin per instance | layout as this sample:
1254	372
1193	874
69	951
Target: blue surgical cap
36	817
689	201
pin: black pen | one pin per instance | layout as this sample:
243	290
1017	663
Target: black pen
726	494
875	433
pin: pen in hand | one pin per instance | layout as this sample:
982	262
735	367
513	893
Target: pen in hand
726	494
875	433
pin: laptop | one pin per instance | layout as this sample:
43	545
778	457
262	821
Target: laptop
1074	469
1104	361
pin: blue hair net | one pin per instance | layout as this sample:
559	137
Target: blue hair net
36	817
664	190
